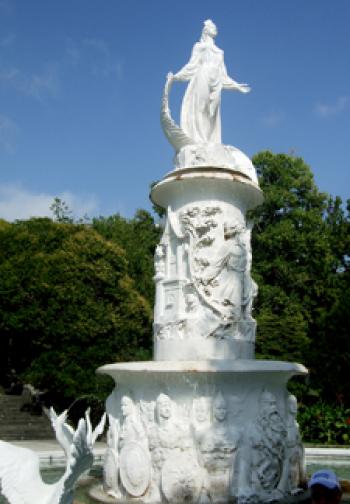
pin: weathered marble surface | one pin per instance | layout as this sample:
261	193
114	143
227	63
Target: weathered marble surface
197	141
206	431
204	422
204	288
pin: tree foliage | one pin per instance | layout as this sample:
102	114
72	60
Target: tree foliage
74	296
138	237
67	305
301	259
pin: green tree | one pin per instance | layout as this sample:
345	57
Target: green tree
61	211
67	305
138	237
300	252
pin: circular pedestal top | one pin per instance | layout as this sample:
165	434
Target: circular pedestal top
208	366
208	182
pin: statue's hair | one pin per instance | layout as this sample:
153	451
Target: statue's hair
207	22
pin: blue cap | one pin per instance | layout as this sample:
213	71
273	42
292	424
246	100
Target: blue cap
326	478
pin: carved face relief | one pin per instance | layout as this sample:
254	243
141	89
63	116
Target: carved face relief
268	404
292	405
201	412
164	407
219	408
127	406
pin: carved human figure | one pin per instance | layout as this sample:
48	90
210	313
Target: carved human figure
217	448
131	428
159	262
168	434
223	279
250	287
267	439
295	460
207	76
111	463
200	418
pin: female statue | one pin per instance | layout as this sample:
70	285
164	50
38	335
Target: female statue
207	76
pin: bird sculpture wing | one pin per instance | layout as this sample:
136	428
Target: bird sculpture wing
98	429
80	460
64	432
20	477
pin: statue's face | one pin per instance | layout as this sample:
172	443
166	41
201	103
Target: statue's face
210	28
164	408
126	406
220	411
293	407
269	407
200	412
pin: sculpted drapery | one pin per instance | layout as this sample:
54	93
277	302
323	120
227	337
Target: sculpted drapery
207	76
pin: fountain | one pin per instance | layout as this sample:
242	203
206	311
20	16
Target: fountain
204	421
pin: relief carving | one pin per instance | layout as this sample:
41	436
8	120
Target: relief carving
111	463
266	445
212	292
159	262
135	464
294	466
217	447
200	451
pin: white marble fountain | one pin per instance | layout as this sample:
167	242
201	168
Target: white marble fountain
204	421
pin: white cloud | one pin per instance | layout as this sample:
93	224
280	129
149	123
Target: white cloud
73	52
95	54
273	119
327	110
44	83
9	74
39	85
19	203
8	134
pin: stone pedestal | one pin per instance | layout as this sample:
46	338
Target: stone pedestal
204	290
204	422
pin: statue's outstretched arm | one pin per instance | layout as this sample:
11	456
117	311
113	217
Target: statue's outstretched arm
187	71
228	83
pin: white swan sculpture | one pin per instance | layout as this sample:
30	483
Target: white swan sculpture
20	478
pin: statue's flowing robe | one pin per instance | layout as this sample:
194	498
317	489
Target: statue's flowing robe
207	75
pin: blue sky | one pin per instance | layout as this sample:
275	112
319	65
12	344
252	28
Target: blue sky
81	83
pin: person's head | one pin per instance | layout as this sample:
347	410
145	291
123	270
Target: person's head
325	487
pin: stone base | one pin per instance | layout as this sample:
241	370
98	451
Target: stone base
218	155
210	431
199	348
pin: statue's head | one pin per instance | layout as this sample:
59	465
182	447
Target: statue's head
163	407
232	229
201	410
268	403
219	407
127	406
292	404
209	28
